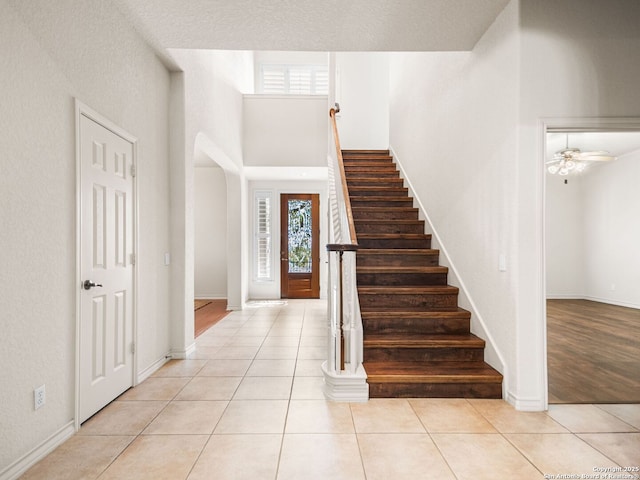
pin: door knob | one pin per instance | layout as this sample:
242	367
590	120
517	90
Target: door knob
88	284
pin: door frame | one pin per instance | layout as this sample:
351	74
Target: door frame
83	110
315	247
545	125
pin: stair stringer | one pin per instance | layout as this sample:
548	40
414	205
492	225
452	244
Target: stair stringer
493	356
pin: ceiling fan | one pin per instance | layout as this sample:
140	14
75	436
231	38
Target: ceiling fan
572	160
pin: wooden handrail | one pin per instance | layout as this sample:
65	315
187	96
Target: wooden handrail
343	178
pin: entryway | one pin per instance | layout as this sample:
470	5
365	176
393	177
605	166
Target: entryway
592	300
299	245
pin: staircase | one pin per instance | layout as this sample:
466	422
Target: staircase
417	341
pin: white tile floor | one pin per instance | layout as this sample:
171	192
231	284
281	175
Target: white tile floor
249	405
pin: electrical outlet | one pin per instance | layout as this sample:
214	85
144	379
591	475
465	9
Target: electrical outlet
39	397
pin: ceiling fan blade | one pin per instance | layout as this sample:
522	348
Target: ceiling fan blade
595	156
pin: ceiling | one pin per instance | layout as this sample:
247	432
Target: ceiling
313	25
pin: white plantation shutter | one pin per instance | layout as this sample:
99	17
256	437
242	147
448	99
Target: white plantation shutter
321	81
294	80
274	79
263	262
300	80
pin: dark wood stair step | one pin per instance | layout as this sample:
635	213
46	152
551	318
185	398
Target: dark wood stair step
397	256
382	176
368	161
375	181
364	152
437	341
378	191
370	225
435	297
402	275
397	241
436	372
423	348
389	213
380	201
411	322
370	169
433	379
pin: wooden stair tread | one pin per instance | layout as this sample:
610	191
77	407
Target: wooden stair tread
398	251
424	341
378	188
398	289
386	221
362	152
374	178
388	200
431	372
395	313
367	160
401	269
394	236
392	208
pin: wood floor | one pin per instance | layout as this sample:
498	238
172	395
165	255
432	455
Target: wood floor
209	314
593	352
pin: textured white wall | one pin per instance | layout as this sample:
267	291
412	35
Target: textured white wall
210	238
611	201
565	237
285	130
51	53
453	120
362	89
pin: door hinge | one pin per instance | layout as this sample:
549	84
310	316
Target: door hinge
133	347
133	170
133	259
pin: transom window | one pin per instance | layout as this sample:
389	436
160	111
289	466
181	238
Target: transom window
294	79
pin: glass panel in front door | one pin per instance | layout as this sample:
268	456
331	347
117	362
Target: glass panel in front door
299	236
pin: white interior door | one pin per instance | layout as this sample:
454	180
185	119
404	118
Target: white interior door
106	266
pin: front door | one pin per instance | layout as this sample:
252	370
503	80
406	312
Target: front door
299	248
106	266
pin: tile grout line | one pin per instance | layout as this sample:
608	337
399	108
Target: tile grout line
435	444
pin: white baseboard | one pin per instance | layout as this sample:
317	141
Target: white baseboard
183	354
565	296
526	404
151	369
613	302
345	388
608	301
209	296
24	463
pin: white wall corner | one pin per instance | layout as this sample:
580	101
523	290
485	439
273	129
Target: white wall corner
17	468
183	354
151	369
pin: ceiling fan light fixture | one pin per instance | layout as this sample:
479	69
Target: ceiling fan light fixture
572	160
